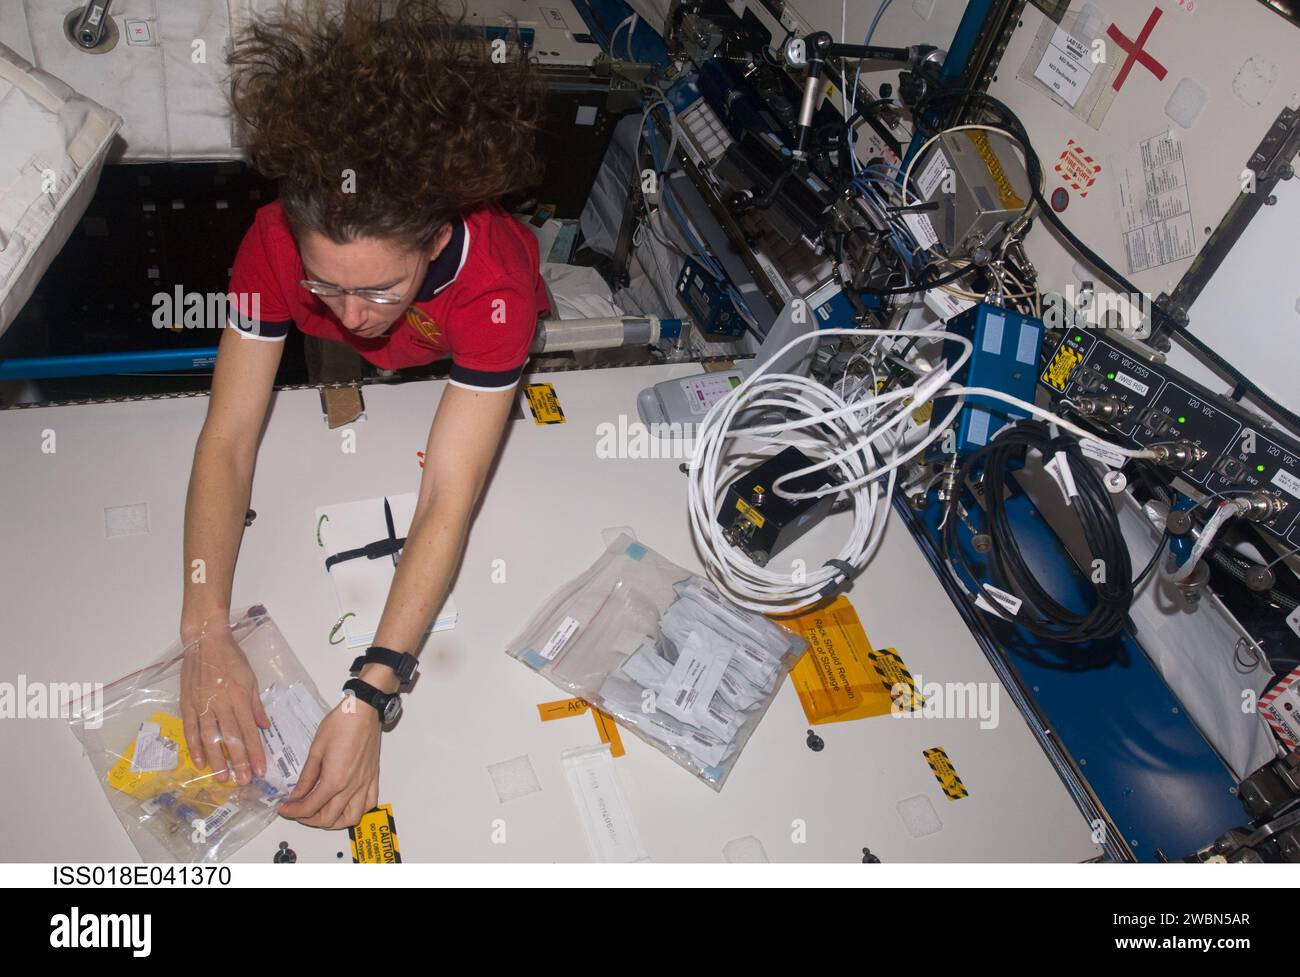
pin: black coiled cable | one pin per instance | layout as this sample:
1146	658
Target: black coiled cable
1039	611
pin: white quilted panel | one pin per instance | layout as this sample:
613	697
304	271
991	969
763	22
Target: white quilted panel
166	76
53	149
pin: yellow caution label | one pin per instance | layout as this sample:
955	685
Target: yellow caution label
750	513
374	839
945	773
841	677
1063	363
544	403
561	709
607	729
1006	193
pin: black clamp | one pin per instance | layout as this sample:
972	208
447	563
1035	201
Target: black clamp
846	574
373	551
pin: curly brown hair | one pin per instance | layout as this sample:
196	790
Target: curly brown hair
406	98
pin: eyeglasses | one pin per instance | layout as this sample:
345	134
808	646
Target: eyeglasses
326	290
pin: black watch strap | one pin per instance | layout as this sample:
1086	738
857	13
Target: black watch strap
406	666
382	702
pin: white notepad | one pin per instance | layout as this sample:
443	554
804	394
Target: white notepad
361	584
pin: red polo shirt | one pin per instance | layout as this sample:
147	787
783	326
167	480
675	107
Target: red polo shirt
479	302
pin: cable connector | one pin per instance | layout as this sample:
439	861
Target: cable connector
1178	455
1258	506
1108	410
948	481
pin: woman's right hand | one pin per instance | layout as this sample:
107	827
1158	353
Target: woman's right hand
221	707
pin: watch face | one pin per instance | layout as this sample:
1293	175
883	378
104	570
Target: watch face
392	709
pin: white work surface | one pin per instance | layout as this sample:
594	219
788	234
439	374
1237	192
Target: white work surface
81	607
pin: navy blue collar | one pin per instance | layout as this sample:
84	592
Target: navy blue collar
444	268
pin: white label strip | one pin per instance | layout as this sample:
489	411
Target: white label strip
216	821
946	305
553	17
1287	482
689	688
1104	453
932	173
1137	386
1059	468
603	809
922	229
555	644
1010	602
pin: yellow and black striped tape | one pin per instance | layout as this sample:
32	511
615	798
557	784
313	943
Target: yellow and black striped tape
889	666
945	773
1063	363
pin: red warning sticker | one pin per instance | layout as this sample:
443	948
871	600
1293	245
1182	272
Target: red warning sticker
1077	169
1281	710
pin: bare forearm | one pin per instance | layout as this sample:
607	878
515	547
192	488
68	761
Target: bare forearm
420	585
463	439
220	486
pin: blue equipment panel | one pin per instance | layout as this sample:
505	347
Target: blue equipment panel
1005	358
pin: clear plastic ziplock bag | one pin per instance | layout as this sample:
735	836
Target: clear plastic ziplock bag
172	811
664	653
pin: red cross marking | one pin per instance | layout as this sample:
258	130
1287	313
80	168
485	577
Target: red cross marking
1135	52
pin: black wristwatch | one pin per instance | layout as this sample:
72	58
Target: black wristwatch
406	666
388	706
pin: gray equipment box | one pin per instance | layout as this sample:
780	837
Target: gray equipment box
989	189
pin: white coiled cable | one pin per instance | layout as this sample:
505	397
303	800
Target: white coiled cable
859	448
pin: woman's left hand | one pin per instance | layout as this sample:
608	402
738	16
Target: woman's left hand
340	780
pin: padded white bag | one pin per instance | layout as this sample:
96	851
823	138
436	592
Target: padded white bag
53	148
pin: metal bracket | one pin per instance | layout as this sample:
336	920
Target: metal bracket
1270	163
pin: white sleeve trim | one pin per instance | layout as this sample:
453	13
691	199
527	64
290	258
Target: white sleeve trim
251	335
470	386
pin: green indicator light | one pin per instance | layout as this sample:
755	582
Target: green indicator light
1182	420
1110	376
1259	468
1078	339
